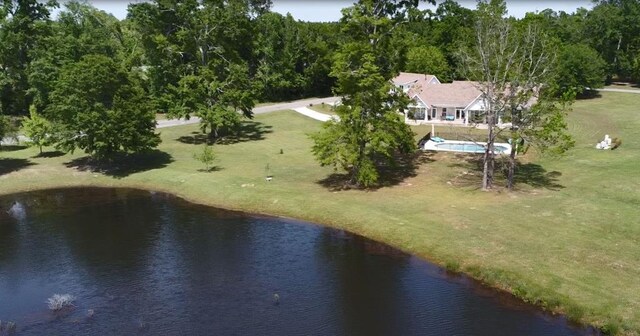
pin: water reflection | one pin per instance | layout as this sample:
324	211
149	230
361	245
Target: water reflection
17	211
147	262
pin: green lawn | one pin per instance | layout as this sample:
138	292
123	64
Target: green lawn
323	108
569	239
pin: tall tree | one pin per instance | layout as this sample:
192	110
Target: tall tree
428	60
79	31
370	131
541	125
102	108
197	52
579	69
279	46
512	65
613	28
22	23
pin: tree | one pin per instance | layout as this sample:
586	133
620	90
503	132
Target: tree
4	127
612	28
102	109
579	69
279	50
206	156
22	24
428	60
197	52
80	30
512	65
370	132
38	129
542	126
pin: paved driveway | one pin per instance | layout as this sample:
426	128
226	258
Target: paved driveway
620	90
258	110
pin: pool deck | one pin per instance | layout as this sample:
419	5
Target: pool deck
432	145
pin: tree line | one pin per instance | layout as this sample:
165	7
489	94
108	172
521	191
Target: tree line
89	81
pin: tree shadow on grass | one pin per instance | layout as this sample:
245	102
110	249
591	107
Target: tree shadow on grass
589	94
536	176
531	174
12	148
248	131
124	165
405	167
51	154
10	165
211	169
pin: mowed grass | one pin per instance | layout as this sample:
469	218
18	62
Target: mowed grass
568	239
324	108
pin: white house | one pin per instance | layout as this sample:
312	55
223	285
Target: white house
458	102
406	80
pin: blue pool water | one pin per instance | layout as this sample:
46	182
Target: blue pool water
468	147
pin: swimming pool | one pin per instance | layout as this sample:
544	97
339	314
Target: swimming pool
465	146
468	147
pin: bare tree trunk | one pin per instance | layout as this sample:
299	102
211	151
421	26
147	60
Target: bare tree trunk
488	160
213	135
356	169
487	178
512	168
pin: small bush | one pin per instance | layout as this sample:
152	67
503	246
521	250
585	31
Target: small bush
615	143
59	302
452	266
206	156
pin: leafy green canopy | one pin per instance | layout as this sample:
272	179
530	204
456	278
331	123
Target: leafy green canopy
579	69
38	129
197	52
22	23
102	109
428	60
371	131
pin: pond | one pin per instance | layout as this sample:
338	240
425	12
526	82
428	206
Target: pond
140	262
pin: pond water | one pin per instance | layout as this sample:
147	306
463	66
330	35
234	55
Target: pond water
150	263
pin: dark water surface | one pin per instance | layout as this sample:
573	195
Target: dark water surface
149	263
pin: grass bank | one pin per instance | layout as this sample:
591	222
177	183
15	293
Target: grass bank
567	240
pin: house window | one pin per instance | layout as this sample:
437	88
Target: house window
416	113
434	111
477	117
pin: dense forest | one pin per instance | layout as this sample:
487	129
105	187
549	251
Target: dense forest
90	78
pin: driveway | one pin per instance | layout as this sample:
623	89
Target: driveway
620	90
297	105
257	110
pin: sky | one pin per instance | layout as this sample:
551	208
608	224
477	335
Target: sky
329	10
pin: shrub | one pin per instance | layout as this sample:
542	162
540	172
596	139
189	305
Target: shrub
452	266
206	156
59	302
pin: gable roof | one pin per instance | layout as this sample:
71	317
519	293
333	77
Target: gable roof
408	77
456	94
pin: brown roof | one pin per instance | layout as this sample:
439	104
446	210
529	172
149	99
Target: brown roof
408	77
456	94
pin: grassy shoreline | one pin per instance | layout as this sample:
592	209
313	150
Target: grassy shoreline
567	241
